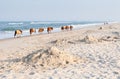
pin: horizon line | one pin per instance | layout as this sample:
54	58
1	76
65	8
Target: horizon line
52	21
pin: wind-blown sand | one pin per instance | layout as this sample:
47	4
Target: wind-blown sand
87	53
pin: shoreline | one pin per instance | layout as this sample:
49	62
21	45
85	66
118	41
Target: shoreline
90	52
55	31
10	34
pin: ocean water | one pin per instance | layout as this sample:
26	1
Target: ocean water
7	28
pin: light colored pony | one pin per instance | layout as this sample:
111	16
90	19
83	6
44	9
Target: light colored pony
17	32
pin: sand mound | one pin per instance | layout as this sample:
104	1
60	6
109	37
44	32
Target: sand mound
90	39
50	58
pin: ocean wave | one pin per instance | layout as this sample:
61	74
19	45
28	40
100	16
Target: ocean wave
15	23
77	26
39	23
48	22
8	29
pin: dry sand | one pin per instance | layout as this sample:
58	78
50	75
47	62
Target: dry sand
87	53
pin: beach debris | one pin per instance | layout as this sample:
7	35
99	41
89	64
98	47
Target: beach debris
51	57
109	38
31	73
100	28
90	39
59	42
62	42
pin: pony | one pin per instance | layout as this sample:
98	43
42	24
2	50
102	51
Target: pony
40	30
17	32
62	28
32	30
67	27
71	27
49	29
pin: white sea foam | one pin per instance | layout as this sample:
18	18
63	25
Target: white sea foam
77	26
8	32
15	23
47	22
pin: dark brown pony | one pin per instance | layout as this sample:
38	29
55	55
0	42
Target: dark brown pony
40	30
63	27
17	32
49	29
32	30
71	27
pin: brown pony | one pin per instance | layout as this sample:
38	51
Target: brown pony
40	29
71	27
67	27
17	32
49	29
32	30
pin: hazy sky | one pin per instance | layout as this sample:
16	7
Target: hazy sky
59	10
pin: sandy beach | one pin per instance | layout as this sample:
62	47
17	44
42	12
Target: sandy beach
86	53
